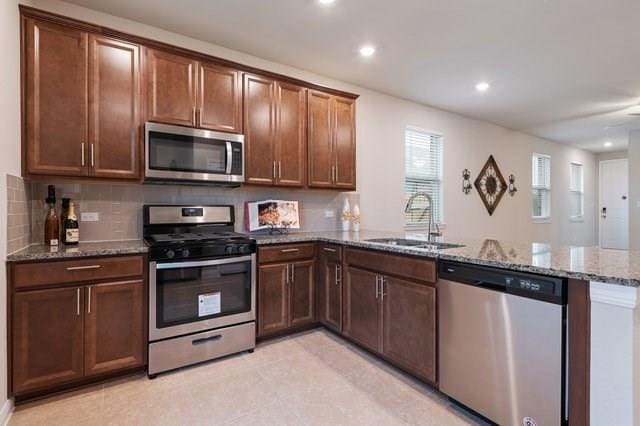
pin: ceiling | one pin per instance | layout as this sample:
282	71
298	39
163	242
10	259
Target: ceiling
566	70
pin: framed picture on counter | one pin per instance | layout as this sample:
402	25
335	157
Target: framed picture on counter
271	214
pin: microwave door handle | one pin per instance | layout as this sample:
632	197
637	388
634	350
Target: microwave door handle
229	158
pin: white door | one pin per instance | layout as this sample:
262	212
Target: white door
614	204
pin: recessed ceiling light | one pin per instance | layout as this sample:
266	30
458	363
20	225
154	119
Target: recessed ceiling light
367	50
607	144
483	86
326	2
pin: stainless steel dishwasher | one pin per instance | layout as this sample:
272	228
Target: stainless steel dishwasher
502	343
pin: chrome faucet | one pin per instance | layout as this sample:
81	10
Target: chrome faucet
427	210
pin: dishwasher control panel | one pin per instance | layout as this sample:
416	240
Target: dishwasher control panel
550	289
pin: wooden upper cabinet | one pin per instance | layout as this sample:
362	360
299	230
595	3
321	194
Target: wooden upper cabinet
55	100
47	338
259	129
320	139
114	327
114	108
291	138
219	98
171	88
345	143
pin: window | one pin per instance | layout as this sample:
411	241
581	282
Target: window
541	186
576	191
423	173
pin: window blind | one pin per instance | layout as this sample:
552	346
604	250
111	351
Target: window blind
423	173
576	190
541	186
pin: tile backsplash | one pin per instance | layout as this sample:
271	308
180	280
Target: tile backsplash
119	207
18	213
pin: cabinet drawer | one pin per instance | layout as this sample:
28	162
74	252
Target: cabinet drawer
286	252
71	271
398	265
331	252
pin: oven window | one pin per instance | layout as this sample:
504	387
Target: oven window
186	153
186	295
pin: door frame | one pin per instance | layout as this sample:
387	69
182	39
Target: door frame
599	208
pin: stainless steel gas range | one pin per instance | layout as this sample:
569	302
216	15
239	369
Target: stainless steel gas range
202	285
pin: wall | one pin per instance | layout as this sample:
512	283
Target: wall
634	190
120	206
616	155
10	158
381	120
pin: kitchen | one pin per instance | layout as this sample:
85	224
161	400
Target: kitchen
342	153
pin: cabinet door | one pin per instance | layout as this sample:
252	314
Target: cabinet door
114	327
55	99
259	130
47	338
273	299
171	88
114	108
409	326
345	143
219	98
320	139
362	308
333	295
291	134
301	293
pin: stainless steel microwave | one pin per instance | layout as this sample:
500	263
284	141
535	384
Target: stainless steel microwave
184	154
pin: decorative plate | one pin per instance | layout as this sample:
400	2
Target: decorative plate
490	185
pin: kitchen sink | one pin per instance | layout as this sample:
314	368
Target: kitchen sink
434	245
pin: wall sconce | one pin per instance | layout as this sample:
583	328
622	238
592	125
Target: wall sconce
466	183
512	185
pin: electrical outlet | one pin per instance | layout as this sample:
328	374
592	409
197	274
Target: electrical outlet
329	213
89	217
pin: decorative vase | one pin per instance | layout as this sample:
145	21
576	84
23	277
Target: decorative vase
345	217
355	218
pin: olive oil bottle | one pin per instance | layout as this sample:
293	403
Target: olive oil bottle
51	224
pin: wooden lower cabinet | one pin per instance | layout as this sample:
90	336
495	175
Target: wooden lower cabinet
409	326
329	291
362	308
273	306
48	338
69	332
114	327
301	293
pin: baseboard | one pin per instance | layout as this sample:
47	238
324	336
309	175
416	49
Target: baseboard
6	411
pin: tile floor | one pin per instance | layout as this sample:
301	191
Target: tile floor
313	378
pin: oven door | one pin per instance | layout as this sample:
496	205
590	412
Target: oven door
183	153
191	296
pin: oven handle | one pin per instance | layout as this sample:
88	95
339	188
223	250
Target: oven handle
196	264
206	339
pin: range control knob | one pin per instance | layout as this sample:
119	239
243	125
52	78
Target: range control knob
170	253
185	252
230	249
244	248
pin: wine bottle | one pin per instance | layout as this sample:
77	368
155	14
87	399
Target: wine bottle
71	226
51	224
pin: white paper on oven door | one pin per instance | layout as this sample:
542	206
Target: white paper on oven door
208	304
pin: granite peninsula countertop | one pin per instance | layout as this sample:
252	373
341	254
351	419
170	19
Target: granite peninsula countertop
102	248
585	263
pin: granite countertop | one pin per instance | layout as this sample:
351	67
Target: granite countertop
584	263
103	248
